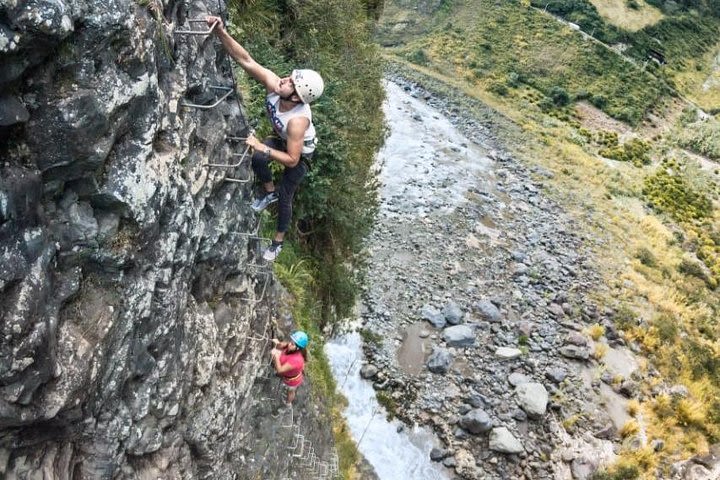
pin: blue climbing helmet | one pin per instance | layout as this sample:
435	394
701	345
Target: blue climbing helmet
299	338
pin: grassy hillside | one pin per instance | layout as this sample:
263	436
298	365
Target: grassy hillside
510	45
646	187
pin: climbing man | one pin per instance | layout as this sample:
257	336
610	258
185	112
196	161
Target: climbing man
293	143
289	361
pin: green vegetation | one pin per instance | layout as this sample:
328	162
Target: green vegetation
688	30
635	151
335	204
702	137
669	191
510	45
370	337
388	402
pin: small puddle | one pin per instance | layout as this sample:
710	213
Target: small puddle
414	351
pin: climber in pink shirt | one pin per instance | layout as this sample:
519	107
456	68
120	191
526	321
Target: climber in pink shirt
289	361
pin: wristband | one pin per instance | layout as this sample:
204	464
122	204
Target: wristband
267	152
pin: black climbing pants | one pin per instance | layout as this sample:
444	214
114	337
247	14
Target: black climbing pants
291	179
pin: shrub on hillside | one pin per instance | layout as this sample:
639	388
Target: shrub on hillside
668	191
635	151
702	137
559	96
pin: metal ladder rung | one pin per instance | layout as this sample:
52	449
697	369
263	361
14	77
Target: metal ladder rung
264	288
239	180
241	155
231	165
227	90
302	448
197	32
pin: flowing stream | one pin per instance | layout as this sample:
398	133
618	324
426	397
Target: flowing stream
393	454
426	167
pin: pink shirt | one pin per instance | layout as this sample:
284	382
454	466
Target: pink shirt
298	363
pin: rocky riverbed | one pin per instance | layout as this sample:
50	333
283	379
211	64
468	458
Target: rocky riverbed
477	305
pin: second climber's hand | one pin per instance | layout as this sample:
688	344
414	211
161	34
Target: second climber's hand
211	19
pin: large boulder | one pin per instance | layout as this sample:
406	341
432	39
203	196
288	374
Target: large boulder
476	421
533	398
453	313
439	361
437	319
459	336
487	311
501	440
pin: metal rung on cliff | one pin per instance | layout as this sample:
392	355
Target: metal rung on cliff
301	452
242	155
227	90
297	438
309	460
197	32
267	276
239	180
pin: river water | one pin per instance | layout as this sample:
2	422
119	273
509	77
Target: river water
394	455
425	168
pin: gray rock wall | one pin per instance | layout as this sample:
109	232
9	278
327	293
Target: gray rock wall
127	299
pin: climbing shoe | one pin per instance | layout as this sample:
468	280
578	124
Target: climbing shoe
260	204
272	252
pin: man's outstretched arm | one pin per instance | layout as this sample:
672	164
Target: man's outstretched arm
263	75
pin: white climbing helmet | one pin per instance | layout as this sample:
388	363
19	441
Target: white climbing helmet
309	84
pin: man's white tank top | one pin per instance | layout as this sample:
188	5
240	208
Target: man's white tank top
280	120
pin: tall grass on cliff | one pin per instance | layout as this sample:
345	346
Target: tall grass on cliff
335	204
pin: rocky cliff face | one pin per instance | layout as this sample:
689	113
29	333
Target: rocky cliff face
131	308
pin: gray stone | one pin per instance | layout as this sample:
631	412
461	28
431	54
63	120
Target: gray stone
436	318
450	462
453	313
368	371
574	352
533	398
576	338
82	221
507	353
501	440
609	432
582	468
476	421
555	375
437	454
517	378
439	361
556	310
459	336
678	391
487	311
